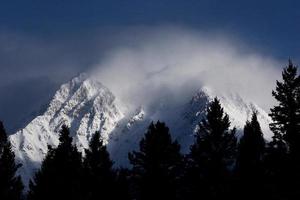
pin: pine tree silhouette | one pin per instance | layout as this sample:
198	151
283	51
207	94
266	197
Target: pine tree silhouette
211	156
60	173
98	173
286	115
156	165
10	184
249	167
251	150
283	155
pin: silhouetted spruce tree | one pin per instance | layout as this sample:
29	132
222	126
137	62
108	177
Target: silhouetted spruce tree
286	115
100	178
249	164
283	155
10	184
156	166
60	173
251	150
212	156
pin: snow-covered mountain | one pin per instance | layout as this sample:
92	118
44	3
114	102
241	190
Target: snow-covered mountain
85	105
182	120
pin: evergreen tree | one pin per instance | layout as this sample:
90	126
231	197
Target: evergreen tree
251	150
283	155
249	165
99	176
10	184
156	166
286	115
212	155
60	173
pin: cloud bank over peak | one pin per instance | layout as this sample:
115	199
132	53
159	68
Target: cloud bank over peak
140	64
171	62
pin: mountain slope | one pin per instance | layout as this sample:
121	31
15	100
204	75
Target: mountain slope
87	106
83	104
182	120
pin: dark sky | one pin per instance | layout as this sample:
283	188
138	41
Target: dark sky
274	23
40	40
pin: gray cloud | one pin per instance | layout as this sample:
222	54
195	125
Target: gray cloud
173	61
137	63
32	68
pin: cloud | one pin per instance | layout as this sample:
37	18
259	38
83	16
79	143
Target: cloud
32	68
140	64
174	61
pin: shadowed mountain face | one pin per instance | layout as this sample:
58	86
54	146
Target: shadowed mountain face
87	106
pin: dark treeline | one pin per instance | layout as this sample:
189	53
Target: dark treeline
218	166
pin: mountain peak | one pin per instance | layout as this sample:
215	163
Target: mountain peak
87	106
83	104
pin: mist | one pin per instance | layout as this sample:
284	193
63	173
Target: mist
171	63
142	65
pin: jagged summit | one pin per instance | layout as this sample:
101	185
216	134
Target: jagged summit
87	106
83	104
